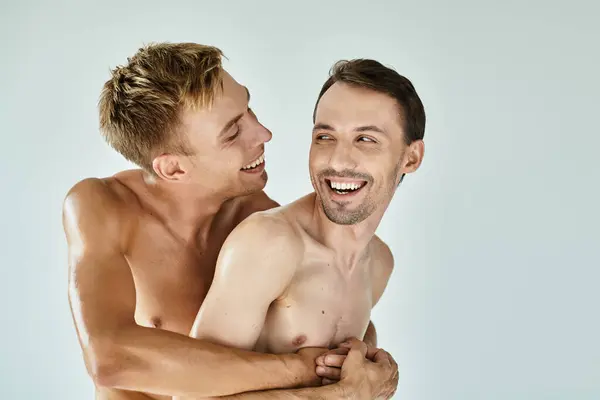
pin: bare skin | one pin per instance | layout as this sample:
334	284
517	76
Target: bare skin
142	253
132	274
313	297
309	273
278	286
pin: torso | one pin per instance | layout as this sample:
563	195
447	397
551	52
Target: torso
171	277
324	304
321	307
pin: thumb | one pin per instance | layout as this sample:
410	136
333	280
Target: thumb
358	351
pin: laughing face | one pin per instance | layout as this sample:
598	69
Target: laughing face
358	152
227	143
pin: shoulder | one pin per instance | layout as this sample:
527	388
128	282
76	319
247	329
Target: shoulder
382	266
382	255
252	203
104	196
267	227
94	209
266	236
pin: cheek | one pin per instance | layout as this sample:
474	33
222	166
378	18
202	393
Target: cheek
221	164
317	157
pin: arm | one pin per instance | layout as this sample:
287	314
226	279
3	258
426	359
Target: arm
334	391
278	250
254	268
123	355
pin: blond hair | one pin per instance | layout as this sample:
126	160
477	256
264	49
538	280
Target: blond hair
140	104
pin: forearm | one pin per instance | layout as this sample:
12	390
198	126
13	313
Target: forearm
166	363
371	335
334	391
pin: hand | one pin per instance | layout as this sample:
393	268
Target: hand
329	365
368	372
308	356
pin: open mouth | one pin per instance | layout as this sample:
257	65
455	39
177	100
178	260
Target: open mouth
345	188
256	164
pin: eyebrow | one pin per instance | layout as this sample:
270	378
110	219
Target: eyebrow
365	128
235	119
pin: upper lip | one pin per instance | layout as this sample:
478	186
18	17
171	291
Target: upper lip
343	180
254	159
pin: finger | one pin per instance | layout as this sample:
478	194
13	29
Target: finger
326	381
357	352
341	351
348	342
371	351
334	360
382	357
329	372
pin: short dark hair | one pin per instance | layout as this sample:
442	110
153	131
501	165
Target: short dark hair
373	75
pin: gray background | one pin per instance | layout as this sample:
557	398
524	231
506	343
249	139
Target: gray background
495	292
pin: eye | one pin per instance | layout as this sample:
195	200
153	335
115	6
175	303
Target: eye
323	137
236	134
366	139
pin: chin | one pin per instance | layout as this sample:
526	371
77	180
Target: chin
257	185
344	216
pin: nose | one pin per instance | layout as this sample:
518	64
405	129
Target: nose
342	157
260	135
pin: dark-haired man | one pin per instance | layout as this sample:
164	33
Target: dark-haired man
308	273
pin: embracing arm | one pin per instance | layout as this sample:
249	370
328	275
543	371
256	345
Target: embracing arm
334	391
123	355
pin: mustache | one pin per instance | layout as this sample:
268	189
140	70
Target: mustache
330	172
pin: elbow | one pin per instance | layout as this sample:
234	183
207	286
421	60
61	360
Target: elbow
108	364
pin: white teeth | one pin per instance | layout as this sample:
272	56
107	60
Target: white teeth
255	163
344	186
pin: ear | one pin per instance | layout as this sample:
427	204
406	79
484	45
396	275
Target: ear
169	167
413	156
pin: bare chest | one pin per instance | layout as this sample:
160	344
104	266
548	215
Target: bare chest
171	280
322	307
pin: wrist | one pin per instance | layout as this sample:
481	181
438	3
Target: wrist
299	372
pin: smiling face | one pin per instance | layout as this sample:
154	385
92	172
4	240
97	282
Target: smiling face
224	143
358	152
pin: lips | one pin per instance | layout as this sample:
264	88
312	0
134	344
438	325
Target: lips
255	164
345	187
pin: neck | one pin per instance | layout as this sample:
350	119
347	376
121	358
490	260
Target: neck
349	242
187	210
